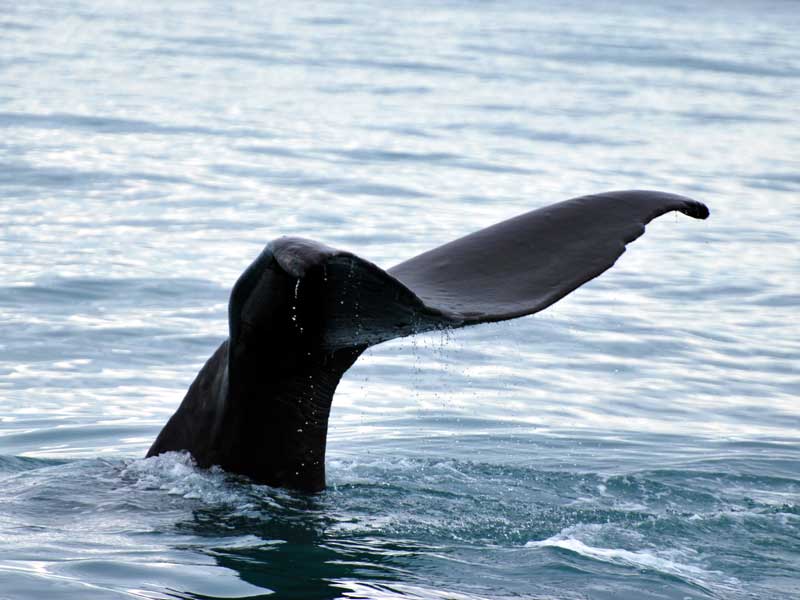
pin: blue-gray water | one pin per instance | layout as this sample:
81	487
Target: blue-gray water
637	440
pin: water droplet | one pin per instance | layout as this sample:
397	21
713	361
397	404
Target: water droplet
295	318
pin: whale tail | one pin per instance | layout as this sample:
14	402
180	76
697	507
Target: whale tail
302	313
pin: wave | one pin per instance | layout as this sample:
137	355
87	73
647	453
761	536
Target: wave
680	563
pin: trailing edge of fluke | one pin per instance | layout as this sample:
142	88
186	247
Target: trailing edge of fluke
302	313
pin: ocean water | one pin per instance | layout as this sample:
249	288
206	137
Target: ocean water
638	440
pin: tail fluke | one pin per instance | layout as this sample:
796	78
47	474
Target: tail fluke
525	264
303	312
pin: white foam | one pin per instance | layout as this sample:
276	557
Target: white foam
177	474
635	558
401	591
671	562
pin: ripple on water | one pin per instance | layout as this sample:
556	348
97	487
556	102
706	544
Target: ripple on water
672	527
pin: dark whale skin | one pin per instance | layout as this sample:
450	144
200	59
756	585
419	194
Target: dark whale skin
302	313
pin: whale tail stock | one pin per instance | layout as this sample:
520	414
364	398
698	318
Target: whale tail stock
302	313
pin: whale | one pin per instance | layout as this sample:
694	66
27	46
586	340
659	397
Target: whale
303	312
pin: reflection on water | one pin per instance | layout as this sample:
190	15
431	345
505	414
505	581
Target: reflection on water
638	438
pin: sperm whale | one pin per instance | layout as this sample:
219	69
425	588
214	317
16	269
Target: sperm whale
302	313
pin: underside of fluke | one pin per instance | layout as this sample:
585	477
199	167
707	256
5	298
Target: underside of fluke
302	313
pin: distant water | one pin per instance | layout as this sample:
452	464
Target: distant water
637	440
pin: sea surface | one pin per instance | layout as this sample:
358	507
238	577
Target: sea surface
637	440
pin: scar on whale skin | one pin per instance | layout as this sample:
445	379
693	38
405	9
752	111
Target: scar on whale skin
302	313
